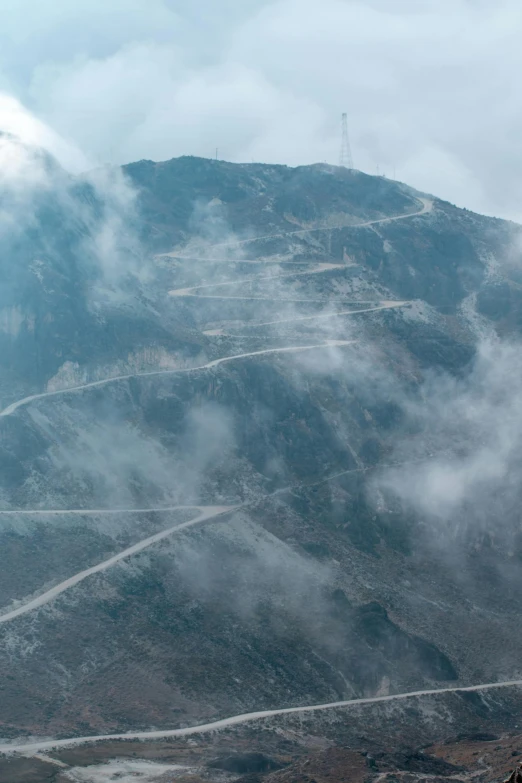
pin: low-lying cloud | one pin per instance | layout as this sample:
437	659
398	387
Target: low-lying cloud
96	211
466	434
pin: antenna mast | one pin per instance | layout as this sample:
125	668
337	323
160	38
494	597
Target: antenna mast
345	157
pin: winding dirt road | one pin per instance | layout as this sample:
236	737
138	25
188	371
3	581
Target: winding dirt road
317	270
215	363
384	306
427	206
92	511
249	717
210	513
207	513
278	299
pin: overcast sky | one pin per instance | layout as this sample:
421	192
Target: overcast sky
431	87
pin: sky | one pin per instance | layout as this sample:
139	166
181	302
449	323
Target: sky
431	87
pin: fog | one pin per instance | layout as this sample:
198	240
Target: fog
337	427
95	211
467	435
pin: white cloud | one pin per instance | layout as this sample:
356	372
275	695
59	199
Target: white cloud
17	122
30	178
467	434
430	86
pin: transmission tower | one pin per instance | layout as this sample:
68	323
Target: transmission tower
345	157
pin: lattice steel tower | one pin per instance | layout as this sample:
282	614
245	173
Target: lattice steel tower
345	157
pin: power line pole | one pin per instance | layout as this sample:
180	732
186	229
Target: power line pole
345	157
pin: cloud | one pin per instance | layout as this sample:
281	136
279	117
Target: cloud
18	123
96	212
467	436
430	86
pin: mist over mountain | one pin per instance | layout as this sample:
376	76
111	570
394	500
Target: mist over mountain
311	372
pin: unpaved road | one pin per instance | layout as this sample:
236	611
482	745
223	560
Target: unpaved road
279	299
210	513
384	306
316	270
427	206
248	717
207	514
83	511
94	384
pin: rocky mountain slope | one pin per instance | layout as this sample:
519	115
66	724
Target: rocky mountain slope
308	361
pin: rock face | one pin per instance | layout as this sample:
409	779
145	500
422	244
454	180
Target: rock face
345	308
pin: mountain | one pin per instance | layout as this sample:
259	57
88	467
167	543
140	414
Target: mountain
313	373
